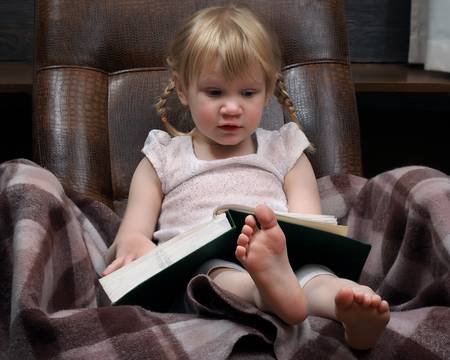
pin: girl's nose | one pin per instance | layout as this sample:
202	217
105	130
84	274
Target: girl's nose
231	106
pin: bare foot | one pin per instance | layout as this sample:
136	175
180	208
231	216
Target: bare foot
363	314
263	253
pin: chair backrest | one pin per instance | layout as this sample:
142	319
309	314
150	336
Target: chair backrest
99	66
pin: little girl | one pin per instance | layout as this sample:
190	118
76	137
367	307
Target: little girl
225	66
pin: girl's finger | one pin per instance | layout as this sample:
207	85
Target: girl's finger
116	264
129	259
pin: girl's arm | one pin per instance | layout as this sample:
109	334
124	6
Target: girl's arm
301	189
136	230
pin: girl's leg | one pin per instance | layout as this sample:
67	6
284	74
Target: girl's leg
363	313
291	309
270	283
239	283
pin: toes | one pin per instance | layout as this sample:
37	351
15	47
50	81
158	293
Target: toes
365	297
376	301
247	230
358	296
344	298
367	300
266	216
250	221
243	240
384	307
240	252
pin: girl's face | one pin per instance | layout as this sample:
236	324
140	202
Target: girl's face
225	112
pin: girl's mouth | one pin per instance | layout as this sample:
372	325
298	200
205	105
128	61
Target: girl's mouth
230	127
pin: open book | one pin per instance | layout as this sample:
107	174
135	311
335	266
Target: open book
156	278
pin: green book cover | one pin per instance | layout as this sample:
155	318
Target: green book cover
160	291
344	256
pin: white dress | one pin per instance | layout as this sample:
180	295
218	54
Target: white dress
193	188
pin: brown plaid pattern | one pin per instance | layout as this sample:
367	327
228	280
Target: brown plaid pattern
51	247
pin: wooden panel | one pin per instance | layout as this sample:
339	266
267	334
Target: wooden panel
16	30
15	77
398	78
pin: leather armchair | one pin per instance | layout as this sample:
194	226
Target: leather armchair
99	65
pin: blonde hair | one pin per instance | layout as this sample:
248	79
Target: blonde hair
236	37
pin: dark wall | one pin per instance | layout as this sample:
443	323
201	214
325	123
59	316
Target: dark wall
15	128
16	30
399	129
378	30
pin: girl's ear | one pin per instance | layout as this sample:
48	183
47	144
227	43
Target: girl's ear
180	89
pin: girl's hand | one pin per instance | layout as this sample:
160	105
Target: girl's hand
129	249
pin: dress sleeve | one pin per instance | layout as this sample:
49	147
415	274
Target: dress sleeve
294	142
155	149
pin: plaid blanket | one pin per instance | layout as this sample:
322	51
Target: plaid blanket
52	243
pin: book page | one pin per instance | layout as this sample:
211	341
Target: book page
329	219
119	282
317	221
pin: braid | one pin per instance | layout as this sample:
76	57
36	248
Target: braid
285	100
162	111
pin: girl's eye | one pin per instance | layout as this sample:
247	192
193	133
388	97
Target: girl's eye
214	92
248	93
